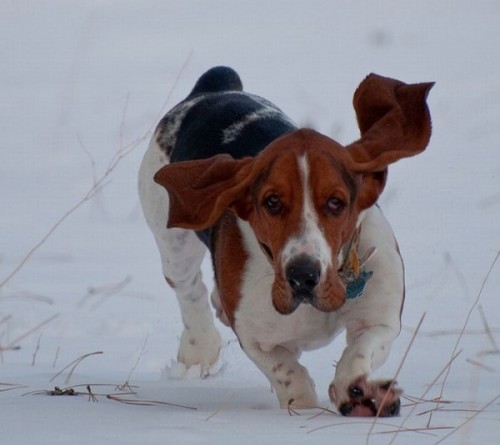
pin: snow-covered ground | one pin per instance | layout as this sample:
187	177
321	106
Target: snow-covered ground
81	81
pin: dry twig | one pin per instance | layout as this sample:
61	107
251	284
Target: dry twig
487	329
104	292
465	422
138	402
466	322
422	397
36	350
14	343
11	386
73	366
480	365
222	406
394	379
92	397
98	184
126	385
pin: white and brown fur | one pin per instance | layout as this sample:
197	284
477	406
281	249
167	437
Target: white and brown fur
278	207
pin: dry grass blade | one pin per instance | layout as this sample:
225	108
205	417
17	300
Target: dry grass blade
415	401
36	350
322	411
349	423
73	366
90	194
145	402
291	410
401	428
293	407
104	292
487	329
141	354
459	427
222	406
446	369
11	386
104	385
394	379
28	295
450	332
422	430
15	342
466	322
5	319
73	391
97	185
92	397
480	365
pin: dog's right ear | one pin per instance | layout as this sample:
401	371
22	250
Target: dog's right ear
201	190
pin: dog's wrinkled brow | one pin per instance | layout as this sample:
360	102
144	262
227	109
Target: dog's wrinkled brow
347	177
261	179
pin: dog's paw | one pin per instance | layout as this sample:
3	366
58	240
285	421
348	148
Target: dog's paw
179	371
199	349
369	398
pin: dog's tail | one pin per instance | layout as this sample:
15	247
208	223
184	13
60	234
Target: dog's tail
217	79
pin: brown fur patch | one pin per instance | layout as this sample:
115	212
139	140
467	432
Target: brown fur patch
229	259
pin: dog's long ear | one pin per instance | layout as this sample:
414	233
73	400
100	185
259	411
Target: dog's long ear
395	123
201	190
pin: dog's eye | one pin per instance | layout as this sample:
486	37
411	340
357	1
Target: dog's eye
335	206
273	204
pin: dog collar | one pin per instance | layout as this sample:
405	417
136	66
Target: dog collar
353	271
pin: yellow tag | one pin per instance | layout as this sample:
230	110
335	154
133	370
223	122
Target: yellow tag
354	259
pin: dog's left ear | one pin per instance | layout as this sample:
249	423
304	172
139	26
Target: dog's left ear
395	123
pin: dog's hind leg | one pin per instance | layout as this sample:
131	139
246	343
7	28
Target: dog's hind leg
181	255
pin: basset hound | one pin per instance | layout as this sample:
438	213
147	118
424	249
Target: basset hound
300	249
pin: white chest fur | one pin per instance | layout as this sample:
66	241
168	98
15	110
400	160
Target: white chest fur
258	322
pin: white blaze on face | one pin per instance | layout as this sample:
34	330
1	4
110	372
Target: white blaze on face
311	240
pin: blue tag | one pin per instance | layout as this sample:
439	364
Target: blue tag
356	287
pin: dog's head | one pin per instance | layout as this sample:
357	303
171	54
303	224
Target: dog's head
303	194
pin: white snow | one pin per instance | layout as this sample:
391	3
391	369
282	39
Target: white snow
79	80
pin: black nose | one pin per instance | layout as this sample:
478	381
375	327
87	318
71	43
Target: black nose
303	275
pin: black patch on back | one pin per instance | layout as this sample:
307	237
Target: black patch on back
219	104
201	134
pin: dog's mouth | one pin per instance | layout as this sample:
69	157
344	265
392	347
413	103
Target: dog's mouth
347	282
302	284
327	298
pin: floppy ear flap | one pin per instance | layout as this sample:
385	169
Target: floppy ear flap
395	123
201	190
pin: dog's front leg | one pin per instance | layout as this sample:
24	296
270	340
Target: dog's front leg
367	348
287	376
372	322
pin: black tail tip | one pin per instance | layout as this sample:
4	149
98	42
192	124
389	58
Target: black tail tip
217	79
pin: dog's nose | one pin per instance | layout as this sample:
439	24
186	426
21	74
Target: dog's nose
303	275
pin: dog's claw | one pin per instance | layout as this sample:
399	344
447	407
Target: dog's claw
392	410
345	409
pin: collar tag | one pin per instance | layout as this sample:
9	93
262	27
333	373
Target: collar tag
353	272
